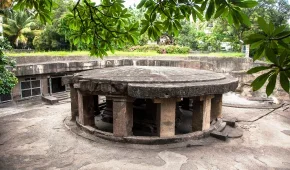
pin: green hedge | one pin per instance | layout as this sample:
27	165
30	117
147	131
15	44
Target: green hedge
167	49
173	49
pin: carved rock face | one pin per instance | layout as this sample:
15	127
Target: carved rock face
153	82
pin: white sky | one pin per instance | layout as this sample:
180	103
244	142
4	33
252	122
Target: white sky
131	2
127	3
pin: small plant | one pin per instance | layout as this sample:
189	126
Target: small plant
167	49
173	49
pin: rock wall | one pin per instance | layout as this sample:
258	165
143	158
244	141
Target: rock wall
46	65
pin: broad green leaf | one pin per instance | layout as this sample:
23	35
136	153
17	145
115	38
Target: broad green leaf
141	4
246	4
263	25
246	19
260	81
210	10
144	29
282	58
271	55
284	81
254	38
271	85
257	69
257	44
259	53
279	30
283	44
219	11
282	34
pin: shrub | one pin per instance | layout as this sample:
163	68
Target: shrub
173	49
144	48
167	49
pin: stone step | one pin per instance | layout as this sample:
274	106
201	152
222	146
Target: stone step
61	96
50	99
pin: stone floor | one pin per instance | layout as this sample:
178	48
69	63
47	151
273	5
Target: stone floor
34	137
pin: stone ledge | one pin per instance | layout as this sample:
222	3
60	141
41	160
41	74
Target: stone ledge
146	140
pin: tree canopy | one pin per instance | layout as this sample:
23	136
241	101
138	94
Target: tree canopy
107	25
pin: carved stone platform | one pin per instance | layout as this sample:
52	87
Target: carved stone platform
199	90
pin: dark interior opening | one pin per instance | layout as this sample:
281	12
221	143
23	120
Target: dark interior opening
56	85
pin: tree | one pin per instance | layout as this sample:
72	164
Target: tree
53	37
7	78
271	43
18	26
104	26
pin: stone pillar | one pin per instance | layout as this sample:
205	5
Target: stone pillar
74	102
86	109
122	117
216	106
165	117
201	113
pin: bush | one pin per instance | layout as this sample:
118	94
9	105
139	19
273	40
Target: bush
5	44
173	49
144	48
167	49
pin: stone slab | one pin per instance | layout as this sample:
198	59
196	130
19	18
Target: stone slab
154	82
50	99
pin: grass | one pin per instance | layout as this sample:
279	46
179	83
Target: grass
122	54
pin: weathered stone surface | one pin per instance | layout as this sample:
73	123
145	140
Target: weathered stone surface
155	82
201	113
206	111
231	122
50	99
86	109
216	106
122	117
286	132
74	102
166	117
219	135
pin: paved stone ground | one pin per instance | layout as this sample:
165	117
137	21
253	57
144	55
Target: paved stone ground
34	137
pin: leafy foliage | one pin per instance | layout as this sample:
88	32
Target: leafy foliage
173	49
271	43
165	49
7	78
52	37
100	27
17	27
106	26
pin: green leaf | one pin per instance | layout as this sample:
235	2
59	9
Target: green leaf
259	53
271	55
279	30
245	20
260	81
254	38
282	58
210	10
271	85
284	81
257	69
246	4
257	44
282	34
283	44
141	4
219	11
263	25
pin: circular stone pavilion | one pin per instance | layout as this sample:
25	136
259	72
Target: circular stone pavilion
142	94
